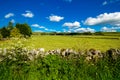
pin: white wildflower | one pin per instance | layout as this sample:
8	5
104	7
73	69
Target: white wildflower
4	51
9	56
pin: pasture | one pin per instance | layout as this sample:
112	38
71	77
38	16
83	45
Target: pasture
21	60
82	42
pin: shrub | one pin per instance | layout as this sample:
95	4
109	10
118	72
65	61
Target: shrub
15	33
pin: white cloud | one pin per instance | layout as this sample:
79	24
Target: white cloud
115	28
110	2
55	18
75	24
117	24
9	15
38	31
40	27
13	21
105	28
106	18
84	30
112	29
104	3
46	29
37	26
28	14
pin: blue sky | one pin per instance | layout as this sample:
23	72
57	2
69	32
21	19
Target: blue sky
63	15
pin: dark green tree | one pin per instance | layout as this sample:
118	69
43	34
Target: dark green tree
0	35
24	29
5	32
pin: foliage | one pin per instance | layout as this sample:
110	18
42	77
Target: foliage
0	36
15	33
24	29
5	32
54	67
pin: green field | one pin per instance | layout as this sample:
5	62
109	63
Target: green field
76	42
55	67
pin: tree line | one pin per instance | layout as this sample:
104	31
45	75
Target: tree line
67	33
19	30
99	33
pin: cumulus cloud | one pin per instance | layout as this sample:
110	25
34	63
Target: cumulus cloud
28	14
84	30
111	29
13	21
42	28
106	18
38	26
35	25
55	18
75	24
104	28
9	15
104	3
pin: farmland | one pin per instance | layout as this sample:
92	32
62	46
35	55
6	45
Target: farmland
75	42
21	62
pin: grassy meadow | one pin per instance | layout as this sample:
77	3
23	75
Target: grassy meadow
17	66
75	42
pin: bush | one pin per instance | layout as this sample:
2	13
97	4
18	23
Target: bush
15	33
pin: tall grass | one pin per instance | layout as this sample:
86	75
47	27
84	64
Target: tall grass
53	67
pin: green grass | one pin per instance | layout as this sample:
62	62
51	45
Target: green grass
54	67
78	42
